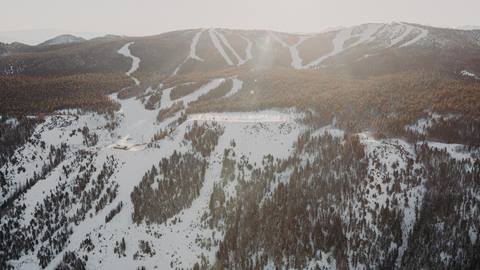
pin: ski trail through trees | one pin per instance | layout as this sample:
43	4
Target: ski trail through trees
125	51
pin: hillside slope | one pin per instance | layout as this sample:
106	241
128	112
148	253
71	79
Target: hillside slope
231	149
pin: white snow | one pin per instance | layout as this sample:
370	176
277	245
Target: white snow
193	47
165	100
293	49
257	133
13	122
296	59
245	117
236	86
204	89
125	51
455	150
344	35
193	52
406	30
248	49
389	152
423	123
469	74
330	129
219	41
218	46
63	39
227	44
422	35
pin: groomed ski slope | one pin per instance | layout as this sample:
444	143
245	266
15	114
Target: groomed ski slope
193	52
125	51
219	41
365	35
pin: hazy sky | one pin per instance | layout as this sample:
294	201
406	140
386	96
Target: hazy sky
142	17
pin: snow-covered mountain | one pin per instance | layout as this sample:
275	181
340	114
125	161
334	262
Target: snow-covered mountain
62	39
229	149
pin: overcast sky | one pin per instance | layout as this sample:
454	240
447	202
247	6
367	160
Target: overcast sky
144	17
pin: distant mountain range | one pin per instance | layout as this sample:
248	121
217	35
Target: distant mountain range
62	39
35	37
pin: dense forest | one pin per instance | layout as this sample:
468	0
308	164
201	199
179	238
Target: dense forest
26	95
319	210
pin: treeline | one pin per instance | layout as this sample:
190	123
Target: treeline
71	261
204	137
153	101
301	217
169	188
184	89
447	232
54	158
386	103
170	111
12	135
25	95
216	93
51	225
321	201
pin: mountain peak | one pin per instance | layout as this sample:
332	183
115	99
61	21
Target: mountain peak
62	39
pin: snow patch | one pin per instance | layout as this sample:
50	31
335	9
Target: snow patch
467	73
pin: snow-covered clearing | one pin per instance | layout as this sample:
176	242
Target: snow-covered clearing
257	133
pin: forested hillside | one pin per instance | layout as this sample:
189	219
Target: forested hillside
357	148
